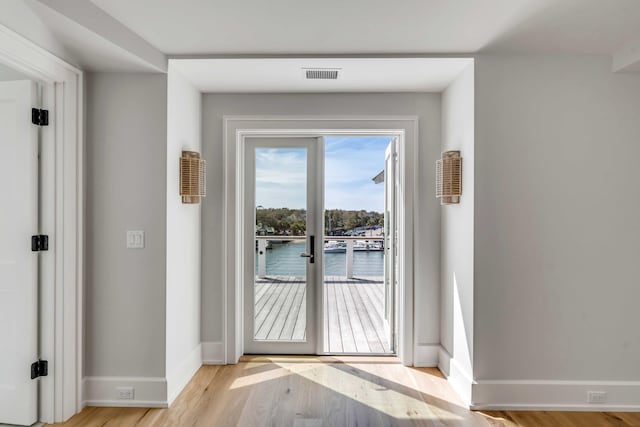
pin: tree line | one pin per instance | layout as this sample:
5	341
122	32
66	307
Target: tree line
292	221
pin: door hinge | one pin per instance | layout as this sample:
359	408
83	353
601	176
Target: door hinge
39	369
40	117
40	242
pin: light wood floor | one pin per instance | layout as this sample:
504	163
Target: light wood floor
328	391
354	312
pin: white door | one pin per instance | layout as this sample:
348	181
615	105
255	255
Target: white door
390	232
18	264
282	233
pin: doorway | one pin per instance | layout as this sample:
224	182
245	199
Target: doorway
320	245
61	154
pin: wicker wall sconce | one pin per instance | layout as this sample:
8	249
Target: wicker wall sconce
192	177
449	178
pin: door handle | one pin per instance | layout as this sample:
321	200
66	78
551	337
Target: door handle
311	254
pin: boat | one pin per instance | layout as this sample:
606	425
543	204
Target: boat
335	247
367	246
360	246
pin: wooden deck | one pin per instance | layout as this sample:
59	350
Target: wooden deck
353	313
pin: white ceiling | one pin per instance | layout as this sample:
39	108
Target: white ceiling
90	51
286	75
379	26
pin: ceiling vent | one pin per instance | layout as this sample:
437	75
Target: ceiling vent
321	73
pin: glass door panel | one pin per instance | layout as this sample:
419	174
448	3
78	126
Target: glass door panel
358	289
279	233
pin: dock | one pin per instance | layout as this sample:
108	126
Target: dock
353	314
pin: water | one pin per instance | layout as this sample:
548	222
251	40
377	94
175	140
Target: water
284	260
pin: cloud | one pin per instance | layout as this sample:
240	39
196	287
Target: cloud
350	164
281	178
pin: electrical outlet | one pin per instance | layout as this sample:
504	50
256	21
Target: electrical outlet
597	396
135	239
125	393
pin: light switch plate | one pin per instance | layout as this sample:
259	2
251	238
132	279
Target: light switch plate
135	239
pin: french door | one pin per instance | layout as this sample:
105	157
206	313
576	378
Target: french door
293	302
282	201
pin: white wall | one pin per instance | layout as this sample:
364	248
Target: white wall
456	272
183	357
125	190
427	227
556	230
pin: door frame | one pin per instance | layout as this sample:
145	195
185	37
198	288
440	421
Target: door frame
62	218
236	129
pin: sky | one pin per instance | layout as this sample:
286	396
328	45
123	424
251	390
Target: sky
350	164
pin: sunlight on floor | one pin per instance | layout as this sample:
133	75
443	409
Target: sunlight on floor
375	386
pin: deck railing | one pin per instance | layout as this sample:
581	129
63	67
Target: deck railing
349	240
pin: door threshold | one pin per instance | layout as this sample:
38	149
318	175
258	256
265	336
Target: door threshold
338	358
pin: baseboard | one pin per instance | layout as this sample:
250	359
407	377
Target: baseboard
460	380
426	355
149	392
555	395
444	361
213	353
180	377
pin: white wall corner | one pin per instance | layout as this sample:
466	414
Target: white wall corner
213	353
460	380
180	377
426	355
148	392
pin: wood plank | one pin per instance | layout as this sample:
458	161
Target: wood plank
377	290
278	306
325	319
357	329
300	329
375	316
260	287
346	333
286	308
334	333
264	300
287	329
262	323
376	295
371	332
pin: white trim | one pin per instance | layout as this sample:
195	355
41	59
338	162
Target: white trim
213	353
149	392
235	128
542	395
180	377
62	219
426	355
537	395
457	376
444	361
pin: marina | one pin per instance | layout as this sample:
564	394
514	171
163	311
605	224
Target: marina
283	258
